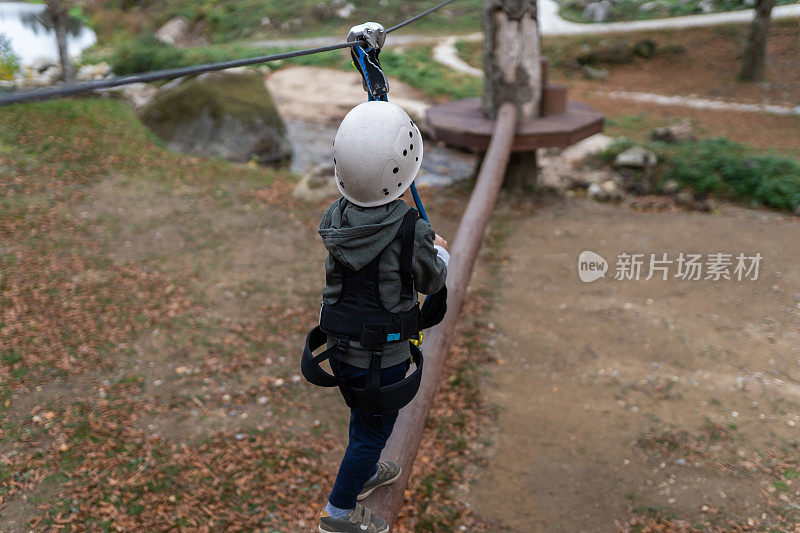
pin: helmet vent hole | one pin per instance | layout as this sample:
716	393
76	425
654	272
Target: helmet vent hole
395	170
386	191
399	184
411	134
341	183
405	152
416	159
411	147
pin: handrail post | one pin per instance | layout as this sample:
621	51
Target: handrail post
407	435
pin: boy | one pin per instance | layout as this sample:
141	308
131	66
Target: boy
380	255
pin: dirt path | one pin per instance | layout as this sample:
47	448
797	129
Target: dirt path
597	381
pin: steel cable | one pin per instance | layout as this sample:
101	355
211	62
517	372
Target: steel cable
168	74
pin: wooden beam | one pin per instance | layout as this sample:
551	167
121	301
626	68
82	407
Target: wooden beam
407	435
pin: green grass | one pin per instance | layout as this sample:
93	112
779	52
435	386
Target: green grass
726	169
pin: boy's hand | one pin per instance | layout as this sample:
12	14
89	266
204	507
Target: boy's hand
439	241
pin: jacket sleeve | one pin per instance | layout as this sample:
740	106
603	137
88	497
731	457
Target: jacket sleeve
430	271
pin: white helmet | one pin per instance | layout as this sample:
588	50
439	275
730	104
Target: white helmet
376	153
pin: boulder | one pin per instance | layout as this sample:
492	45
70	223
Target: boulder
670	187
598	11
51	75
682	131
684	198
575	155
41	63
174	33
93	72
317	185
346	10
226	114
594	73
636	157
585	179
139	94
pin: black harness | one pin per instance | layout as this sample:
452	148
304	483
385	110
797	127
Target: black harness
360	315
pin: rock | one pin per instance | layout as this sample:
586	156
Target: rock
139	94
227	114
317	185
265	22
595	191
93	72
636	157
684	198
645	48
575	155
682	131
706	6
51	75
611	190
594	73
598	11
346	11
40	64
584	180
174	33
670	187
797	211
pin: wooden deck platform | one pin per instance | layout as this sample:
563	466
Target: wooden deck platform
462	124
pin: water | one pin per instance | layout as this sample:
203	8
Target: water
30	39
312	145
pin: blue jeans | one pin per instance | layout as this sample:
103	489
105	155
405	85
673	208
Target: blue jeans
366	440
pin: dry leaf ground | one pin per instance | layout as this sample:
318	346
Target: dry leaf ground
153	310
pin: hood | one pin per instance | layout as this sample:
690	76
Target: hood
355	235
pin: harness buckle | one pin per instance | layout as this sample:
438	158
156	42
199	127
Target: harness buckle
342	345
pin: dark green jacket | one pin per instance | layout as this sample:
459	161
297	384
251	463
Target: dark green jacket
355	235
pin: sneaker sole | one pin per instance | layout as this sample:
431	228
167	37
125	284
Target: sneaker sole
365	494
321	530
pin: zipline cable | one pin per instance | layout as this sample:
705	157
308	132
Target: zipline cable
167	74
417	17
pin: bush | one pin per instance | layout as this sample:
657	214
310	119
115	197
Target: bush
723	167
9	61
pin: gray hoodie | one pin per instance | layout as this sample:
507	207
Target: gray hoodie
355	235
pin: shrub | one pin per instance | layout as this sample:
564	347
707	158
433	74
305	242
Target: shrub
9	61
721	166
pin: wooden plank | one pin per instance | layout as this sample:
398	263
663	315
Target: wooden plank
407	434
463	124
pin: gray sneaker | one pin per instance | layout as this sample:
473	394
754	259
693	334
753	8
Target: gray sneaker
359	520
388	472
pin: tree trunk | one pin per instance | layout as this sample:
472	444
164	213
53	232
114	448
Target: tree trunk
513	72
59	14
754	55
